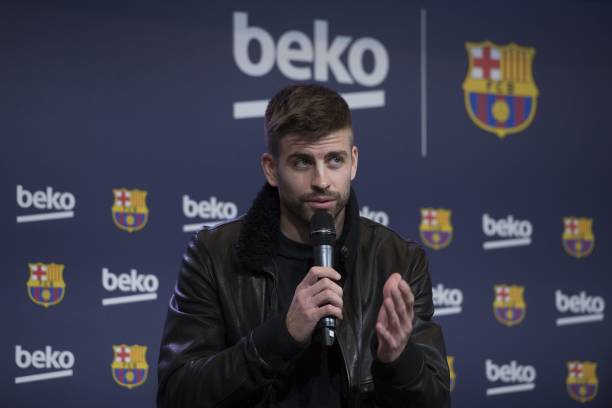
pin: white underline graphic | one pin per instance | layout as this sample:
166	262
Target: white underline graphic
564	321
128	299
42	377
355	100
443	311
198	225
45	216
510	388
506	243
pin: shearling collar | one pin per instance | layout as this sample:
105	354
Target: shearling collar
259	236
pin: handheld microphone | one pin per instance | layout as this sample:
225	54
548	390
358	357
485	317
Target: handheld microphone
323	236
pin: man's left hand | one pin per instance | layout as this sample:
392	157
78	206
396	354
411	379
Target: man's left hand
394	323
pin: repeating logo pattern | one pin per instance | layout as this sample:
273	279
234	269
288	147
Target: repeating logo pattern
582	382
499	89
578	239
130	212
509	306
129	367
46	286
436	230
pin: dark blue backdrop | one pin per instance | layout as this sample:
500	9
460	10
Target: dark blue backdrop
142	96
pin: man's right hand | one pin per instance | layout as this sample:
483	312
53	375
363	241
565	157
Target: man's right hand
317	296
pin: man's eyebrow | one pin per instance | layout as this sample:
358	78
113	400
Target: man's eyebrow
299	156
336	153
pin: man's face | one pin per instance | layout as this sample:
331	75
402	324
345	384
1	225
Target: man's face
315	175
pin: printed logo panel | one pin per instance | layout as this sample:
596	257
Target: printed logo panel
582	382
509	306
499	89
46	286
130	212
578	239
129	367
436	230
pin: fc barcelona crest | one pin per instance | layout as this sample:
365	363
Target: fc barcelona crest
500	93
578	239
436	230
130	212
582	382
46	286
509	305
451	368
129	365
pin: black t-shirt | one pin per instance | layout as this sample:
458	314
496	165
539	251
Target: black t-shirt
315	378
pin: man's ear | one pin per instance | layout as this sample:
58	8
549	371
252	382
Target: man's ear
268	165
354	160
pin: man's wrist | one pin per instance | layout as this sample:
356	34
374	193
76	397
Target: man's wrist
274	343
405	369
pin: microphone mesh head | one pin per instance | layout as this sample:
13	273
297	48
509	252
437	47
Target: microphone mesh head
322	228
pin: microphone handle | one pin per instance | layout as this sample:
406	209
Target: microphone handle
325	330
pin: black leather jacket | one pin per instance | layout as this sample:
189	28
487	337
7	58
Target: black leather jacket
212	353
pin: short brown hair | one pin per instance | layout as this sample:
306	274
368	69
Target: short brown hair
309	111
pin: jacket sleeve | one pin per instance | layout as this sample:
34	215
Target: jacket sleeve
420	376
196	367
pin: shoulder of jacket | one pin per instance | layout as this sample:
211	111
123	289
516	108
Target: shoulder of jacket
226	231
373	230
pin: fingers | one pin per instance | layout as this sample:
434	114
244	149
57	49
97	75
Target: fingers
408	298
328	310
385	336
328	296
394	322
399	305
392	282
325	284
319	272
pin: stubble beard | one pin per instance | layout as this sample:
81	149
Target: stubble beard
301	211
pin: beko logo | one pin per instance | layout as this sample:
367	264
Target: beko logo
56	205
585	309
518	377
380	217
300	57
506	233
142	287
212	212
446	300
60	362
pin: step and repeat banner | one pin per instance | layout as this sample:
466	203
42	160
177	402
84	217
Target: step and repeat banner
483	131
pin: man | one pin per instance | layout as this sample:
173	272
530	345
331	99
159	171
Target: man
239	330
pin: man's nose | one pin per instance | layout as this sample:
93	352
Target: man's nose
320	180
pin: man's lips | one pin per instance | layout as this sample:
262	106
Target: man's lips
321	199
321	202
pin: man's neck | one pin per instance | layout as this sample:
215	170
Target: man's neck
297	230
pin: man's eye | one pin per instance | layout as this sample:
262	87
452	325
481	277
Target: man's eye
301	163
337	160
